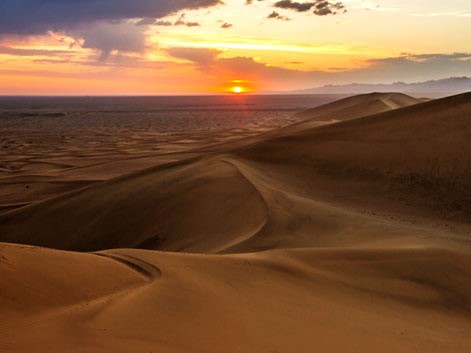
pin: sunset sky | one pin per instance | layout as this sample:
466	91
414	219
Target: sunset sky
210	46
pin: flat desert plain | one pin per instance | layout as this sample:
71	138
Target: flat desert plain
347	230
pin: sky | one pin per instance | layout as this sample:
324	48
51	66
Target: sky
154	47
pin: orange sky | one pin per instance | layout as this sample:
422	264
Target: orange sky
214	48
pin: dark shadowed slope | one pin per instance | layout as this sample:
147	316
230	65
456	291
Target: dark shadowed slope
422	149
197	206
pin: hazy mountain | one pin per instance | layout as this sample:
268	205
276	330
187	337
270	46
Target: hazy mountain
444	87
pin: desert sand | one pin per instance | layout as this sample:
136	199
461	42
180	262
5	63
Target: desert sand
346	230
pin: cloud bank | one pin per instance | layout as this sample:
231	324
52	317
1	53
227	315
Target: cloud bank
103	24
32	17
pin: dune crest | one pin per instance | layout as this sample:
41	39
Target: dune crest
354	107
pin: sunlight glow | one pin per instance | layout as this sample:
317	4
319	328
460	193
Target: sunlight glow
257	45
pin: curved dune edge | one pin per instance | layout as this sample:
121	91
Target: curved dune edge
409	300
200	206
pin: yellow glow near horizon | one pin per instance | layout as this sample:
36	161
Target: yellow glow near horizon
263	46
237	89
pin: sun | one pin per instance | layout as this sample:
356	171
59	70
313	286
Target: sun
238	87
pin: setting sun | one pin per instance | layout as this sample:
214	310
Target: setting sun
237	89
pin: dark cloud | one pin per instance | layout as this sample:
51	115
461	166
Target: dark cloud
192	24
277	16
226	25
99	24
320	7
293	5
146	22
164	23
29	17
454	56
422	67
181	21
323	8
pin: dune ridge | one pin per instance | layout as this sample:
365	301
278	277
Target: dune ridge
354	107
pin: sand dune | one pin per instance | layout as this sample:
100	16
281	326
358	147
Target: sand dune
414	300
360	105
417	152
315	187
199	206
354	107
347	237
344	109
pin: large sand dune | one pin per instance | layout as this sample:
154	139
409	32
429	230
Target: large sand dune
345	237
191	206
357	106
421	150
411	300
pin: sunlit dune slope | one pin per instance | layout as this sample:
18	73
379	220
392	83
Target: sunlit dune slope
344	109
389	301
355	107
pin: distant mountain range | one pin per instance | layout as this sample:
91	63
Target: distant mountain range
436	88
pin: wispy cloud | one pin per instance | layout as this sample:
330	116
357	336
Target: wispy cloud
443	14
32	52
